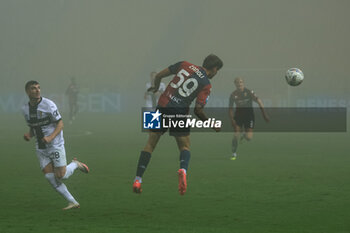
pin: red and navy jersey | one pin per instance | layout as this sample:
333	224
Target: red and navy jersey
190	82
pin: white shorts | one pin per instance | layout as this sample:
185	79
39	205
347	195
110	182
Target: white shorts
56	155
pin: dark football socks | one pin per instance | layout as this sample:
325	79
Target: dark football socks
143	162
185	156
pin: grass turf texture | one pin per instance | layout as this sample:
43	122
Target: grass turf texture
297	182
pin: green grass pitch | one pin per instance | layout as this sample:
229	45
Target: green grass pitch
280	183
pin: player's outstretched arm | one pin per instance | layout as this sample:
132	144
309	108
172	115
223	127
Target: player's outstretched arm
57	130
261	105
162	74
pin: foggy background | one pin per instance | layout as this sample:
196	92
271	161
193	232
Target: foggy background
111	46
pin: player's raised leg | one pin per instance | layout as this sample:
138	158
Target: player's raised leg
145	157
65	172
61	169
183	143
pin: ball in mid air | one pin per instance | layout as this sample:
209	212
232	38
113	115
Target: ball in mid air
294	76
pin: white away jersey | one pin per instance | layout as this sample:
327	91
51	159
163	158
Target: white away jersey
42	119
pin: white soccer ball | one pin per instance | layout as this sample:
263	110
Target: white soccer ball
294	76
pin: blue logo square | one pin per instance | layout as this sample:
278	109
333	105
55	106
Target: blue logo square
151	120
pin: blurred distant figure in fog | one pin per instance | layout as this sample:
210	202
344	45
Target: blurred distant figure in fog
151	99
72	93
243	116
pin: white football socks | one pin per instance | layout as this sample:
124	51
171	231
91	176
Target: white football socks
60	187
70	170
138	178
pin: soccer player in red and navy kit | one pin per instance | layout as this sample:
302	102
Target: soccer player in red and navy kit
243	117
190	82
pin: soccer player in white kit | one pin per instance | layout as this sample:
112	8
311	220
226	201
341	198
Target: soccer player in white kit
45	123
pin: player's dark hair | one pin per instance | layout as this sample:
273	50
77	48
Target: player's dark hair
212	61
29	83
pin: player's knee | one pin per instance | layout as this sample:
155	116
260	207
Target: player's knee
59	175
49	176
182	148
249	137
148	148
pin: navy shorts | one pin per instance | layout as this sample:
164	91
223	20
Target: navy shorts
175	116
